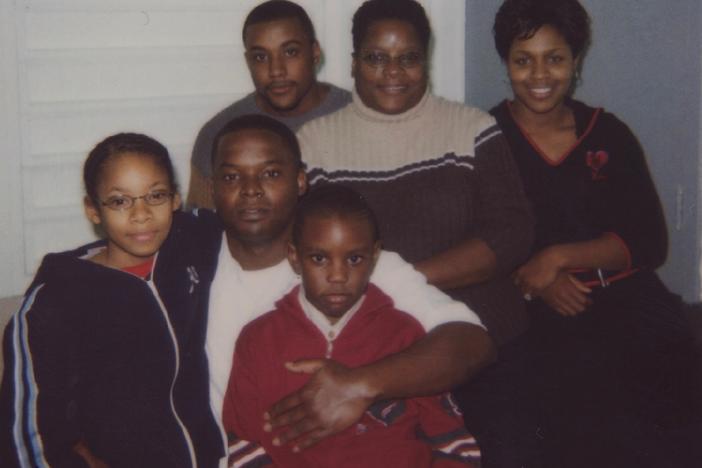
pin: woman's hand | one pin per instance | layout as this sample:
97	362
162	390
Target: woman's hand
538	273
567	295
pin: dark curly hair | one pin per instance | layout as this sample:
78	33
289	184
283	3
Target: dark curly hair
279	9
333	200
120	143
379	10
520	19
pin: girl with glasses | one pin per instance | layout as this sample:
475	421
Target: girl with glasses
104	363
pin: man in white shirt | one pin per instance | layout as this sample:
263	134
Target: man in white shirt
257	178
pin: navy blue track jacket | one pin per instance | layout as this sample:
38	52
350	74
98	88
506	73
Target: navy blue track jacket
104	357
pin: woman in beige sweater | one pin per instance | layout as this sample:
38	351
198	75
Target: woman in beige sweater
441	179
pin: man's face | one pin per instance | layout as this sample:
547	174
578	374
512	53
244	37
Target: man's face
282	58
256	183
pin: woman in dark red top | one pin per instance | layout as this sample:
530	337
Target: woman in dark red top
616	348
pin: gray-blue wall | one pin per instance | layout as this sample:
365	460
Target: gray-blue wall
644	65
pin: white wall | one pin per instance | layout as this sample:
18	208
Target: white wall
75	71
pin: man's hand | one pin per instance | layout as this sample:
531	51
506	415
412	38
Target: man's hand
567	295
333	399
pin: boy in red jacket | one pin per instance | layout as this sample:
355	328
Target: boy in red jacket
336	314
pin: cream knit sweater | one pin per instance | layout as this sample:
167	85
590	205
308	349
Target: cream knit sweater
357	137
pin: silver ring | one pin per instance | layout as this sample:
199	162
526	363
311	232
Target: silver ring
527	297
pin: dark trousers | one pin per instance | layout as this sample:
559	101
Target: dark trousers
500	408
621	381
619	385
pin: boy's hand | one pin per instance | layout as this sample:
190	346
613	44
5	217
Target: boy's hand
333	399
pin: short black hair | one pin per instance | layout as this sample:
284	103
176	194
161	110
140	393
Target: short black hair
260	122
118	144
279	9
333	200
379	10
520	19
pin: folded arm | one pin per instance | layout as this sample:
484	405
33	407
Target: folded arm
502	227
606	252
546	273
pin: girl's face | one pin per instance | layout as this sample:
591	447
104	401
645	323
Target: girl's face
541	70
135	233
390	69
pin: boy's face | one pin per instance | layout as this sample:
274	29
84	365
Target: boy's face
255	186
335	257
282	59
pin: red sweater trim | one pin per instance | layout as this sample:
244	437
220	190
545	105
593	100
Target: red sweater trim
624	244
611	279
570	150
142	270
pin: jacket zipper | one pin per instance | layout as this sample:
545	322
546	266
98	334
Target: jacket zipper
330	344
186	434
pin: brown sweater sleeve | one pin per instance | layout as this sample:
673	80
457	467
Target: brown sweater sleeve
504	219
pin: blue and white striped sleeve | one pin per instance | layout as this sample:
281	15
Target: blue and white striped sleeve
37	410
